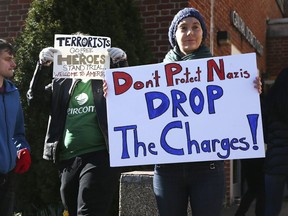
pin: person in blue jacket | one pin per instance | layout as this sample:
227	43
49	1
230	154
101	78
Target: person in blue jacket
14	148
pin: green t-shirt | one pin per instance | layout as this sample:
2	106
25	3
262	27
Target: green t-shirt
82	133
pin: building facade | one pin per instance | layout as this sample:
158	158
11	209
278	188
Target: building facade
234	27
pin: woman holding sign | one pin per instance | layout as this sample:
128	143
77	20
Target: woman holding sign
203	183
77	135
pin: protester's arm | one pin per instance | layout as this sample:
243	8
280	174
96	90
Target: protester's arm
40	85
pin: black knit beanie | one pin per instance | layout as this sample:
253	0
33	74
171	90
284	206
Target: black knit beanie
186	12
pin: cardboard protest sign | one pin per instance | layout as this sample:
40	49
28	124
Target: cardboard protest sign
79	56
198	110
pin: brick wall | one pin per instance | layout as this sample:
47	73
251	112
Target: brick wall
156	17
277	44
277	57
12	16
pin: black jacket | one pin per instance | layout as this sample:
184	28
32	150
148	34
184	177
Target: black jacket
56	96
276	138
275	130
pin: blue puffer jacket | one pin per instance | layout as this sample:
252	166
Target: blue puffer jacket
12	132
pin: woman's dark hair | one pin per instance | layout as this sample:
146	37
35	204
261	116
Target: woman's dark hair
277	97
6	46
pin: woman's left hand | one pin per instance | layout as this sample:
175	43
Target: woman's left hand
258	84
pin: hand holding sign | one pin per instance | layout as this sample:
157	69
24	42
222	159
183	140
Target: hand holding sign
117	54
258	84
47	55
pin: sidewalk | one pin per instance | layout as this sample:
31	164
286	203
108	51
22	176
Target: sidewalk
230	211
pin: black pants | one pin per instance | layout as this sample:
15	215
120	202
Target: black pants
7	193
252	169
88	184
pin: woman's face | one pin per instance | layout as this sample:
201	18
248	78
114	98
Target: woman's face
189	35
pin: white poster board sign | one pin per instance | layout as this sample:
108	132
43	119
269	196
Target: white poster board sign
199	110
79	56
